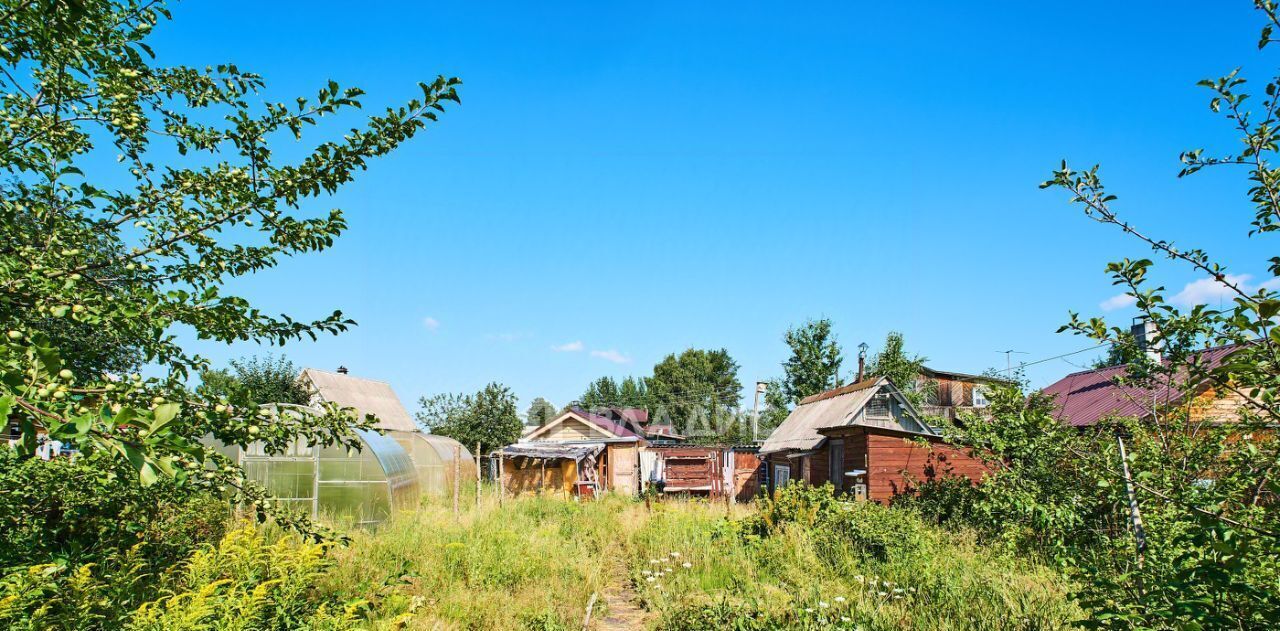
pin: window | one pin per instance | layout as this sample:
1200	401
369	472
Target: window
781	475
980	397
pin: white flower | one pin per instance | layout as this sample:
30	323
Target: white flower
808	609
897	590
675	555
911	589
844	618
882	593
823	604
686	564
651	579
839	599
646	572
654	561
897	596
858	578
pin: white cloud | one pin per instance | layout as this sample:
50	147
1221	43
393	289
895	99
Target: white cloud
1118	301
571	347
431	324
1207	291
612	355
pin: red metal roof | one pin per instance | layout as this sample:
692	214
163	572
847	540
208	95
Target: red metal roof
1086	397
608	424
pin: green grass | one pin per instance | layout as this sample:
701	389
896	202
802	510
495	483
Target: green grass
534	563
801	578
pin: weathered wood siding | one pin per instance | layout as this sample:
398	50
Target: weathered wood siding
898	465
572	429
747	475
531	475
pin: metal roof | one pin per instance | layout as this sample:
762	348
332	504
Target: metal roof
365	395
553	450
833	408
1086	397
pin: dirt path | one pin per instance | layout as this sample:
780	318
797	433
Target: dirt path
623	609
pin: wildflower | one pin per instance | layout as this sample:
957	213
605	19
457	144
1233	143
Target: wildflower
858	578
808	609
675	555
839	599
654	561
882	594
646	572
686	565
911	589
897	590
651	579
844	618
897	596
823	604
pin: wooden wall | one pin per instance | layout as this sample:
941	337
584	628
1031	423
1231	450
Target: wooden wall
533	475
748	475
896	464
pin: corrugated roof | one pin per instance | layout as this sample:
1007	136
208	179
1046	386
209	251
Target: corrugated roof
365	395
833	408
609	425
1088	396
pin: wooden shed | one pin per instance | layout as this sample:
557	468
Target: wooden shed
577	452
867	440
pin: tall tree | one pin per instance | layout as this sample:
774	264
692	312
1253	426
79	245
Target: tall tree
814	365
601	393
265	379
694	389
145	248
488	417
901	368
633	392
540	412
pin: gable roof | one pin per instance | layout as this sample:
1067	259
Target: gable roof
606	426
365	395
960	376
834	408
1086	397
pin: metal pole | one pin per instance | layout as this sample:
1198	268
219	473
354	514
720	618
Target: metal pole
755	416
478	475
1135	516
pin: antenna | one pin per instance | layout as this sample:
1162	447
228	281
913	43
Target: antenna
1008	360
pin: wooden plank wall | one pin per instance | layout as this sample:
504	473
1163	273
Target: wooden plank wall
691	467
898	464
748	472
527	475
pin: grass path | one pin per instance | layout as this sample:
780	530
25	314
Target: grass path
623	612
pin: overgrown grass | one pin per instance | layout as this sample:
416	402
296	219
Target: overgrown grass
532	563
874	568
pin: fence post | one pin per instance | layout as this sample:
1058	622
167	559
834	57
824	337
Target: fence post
502	480
477	474
457	475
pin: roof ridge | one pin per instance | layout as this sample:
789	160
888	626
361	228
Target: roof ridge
345	375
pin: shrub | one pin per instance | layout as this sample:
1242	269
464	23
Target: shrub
246	582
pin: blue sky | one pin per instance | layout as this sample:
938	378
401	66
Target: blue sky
631	179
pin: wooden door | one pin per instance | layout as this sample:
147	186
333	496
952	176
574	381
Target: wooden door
624	462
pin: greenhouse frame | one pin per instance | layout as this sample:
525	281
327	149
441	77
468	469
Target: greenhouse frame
433	457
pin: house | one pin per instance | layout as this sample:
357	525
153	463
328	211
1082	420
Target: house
578	452
949	394
867	440
366	396
1087	397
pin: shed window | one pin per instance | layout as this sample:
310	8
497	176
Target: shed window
781	475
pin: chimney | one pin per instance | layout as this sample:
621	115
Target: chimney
342	370
862	362
1147	337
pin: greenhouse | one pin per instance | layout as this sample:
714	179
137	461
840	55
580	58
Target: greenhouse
433	457
365	485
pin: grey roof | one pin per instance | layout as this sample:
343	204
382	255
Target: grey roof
553	451
365	395
834	408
